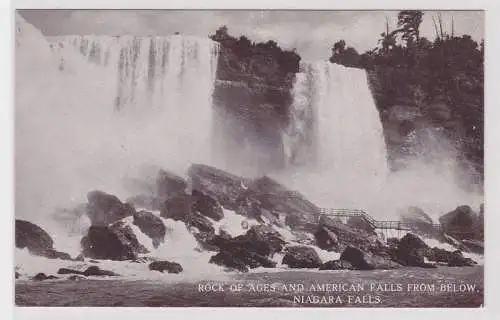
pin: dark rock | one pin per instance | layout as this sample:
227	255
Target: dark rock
301	257
459	223
177	208
116	242
453	259
37	241
17	275
360	223
79	258
359	259
162	266
42	277
228	260
104	209
336	265
69	271
201	223
345	236
96	271
151	225
169	185
76	278
207	206
93	261
263	239
326	239
411	251
222	186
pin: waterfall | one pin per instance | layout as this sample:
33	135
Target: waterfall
334	142
92	111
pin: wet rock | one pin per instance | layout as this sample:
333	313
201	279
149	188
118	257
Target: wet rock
301	257
201	223
116	242
336	265
36	240
222	186
104	209
96	271
17	275
241	259
206	205
362	260
151	225
411	251
162	266
263	239
42	277
453	259
169	185
228	260
69	271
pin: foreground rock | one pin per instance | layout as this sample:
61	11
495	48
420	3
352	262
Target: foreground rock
301	257
104	209
206	205
42	277
411	251
162	266
452	259
151	225
116	242
37	241
169	185
336	265
90	271
362	260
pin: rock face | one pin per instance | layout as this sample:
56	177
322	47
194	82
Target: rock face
162	266
474	246
151	225
301	257
218	184
104	209
336	265
116	242
37	241
362	260
177	208
360	223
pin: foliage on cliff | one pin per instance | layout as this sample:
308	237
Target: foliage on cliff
442	79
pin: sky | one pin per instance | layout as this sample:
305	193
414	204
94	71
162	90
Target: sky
312	33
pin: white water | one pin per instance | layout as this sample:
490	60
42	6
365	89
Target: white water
338	158
91	111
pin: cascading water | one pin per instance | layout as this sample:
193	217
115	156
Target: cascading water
335	137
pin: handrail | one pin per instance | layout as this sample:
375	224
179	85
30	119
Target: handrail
382	224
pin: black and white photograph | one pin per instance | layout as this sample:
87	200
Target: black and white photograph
249	158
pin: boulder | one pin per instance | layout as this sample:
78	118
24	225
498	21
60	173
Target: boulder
104	209
301	257
162	266
263	239
411	251
459	223
201	223
326	239
69	271
206	205
229	260
359	259
116	242
169	185
96	271
43	276
336	265
220	185
37	241
151	225
360	223
345	236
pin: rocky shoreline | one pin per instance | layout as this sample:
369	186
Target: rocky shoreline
200	202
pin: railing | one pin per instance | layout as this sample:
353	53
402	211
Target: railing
384	224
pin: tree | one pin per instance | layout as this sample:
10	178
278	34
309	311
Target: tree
409	23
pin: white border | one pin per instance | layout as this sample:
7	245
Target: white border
492	161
